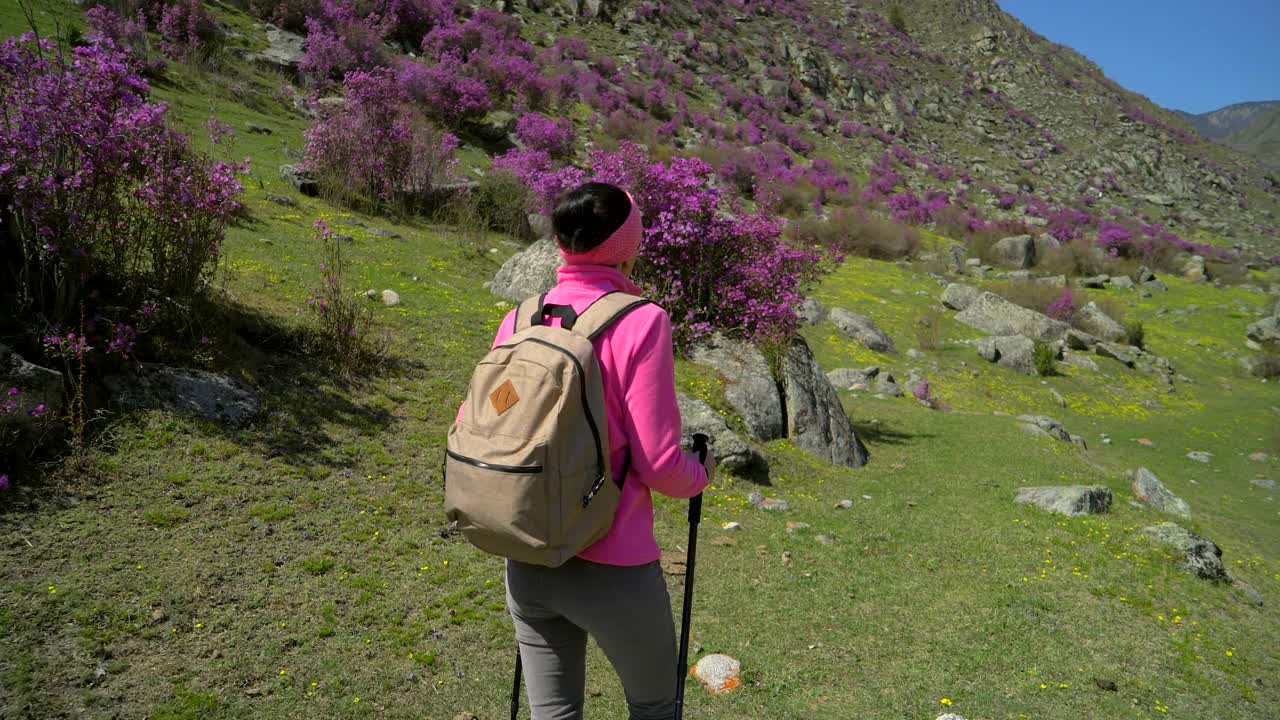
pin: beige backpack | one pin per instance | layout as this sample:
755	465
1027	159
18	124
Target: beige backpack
527	471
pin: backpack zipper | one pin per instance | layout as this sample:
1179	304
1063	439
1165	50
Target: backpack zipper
522	469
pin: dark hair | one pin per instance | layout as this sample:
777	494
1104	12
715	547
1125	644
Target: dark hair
588	214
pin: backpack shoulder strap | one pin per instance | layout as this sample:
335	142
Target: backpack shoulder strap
604	312
528	313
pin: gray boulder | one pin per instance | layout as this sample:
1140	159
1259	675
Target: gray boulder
1155	284
1077	340
300	179
811	311
194	392
1010	351
958	296
284	51
1091	319
1148	489
36	385
751	389
1071	500
731	451
1096	282
1143	275
1120	353
1043	426
816	421
1200	555
1045	244
1265	330
994	315
848	378
1018	251
1122	282
528	273
887	385
863	329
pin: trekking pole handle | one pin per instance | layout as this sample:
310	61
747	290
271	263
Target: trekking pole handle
695	503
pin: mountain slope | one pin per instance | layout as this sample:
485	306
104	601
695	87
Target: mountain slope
1224	122
1261	139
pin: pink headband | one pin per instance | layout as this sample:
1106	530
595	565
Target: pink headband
623	244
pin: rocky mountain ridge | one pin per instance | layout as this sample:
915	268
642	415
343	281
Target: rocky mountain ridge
1224	122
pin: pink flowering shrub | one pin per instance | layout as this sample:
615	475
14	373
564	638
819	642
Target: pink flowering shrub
1063	307
187	30
376	148
340	38
106	204
538	132
442	91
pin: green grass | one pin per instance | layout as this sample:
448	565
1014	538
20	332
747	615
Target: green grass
298	564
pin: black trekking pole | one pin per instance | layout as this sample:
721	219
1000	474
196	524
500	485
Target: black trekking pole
695	515
515	687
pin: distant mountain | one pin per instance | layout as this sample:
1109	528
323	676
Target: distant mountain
1229	120
1261	138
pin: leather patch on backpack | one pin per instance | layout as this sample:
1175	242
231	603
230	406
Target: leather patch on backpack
504	398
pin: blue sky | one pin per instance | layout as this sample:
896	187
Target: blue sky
1193	55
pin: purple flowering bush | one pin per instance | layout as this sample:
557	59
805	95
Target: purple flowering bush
376	149
539	132
107	204
187	30
1063	307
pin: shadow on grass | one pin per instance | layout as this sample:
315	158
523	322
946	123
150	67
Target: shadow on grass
873	434
305	398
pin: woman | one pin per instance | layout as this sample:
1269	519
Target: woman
614	589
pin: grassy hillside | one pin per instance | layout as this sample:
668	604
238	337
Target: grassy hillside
1261	139
301	565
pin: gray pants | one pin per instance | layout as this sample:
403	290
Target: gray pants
627	611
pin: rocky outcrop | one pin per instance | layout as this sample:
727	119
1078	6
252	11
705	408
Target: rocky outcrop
1071	500
816	421
528	273
731	452
863	329
750	389
194	392
994	315
1044	426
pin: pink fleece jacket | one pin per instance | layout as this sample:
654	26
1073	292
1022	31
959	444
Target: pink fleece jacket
638	370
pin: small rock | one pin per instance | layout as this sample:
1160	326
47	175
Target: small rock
1258	457
159	615
284	200
1248	591
1104	684
731	526
258	129
1264	483
465	716
844	504
796	527
761	502
823	539
1200	456
719	674
390	298
1146	442
866	497
786	558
